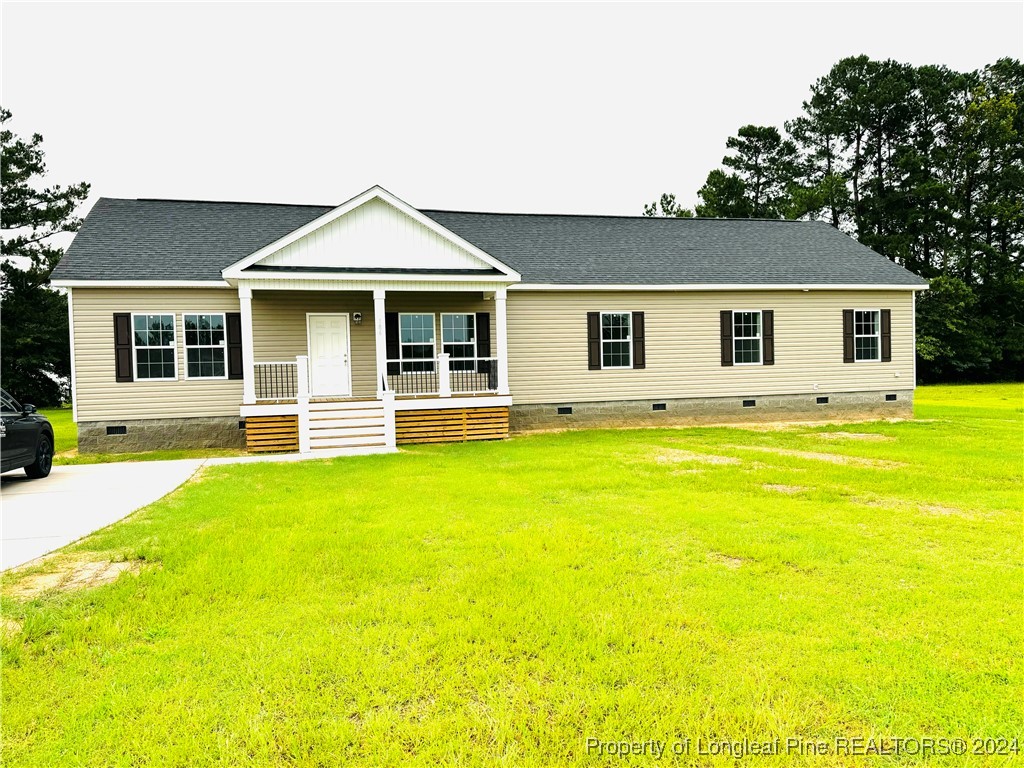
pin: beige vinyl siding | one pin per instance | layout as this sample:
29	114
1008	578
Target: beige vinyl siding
279	323
548	345
279	329
101	398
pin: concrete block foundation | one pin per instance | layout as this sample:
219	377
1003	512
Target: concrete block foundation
896	403
134	435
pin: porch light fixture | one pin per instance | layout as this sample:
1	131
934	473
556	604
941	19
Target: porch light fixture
357	318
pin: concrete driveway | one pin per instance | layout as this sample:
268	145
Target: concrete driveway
38	516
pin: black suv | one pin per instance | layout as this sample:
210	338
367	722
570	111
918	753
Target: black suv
26	438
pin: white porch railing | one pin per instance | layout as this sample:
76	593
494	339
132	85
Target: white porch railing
277	380
443	376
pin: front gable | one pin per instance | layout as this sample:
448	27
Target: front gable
374	232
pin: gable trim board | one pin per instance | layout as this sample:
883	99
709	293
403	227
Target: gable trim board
376	193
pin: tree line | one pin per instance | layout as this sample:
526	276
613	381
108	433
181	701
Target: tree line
923	164
35	352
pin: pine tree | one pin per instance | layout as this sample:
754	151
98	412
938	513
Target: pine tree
34	350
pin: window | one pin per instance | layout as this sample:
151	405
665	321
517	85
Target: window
204	346
9	404
153	341
416	337
458	339
616	340
866	335
746	337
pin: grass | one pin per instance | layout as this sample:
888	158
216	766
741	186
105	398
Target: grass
501	603
65	431
65	438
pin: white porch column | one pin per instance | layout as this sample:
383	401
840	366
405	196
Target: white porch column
248	365
302	399
501	342
380	341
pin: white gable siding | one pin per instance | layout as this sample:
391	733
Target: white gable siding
376	235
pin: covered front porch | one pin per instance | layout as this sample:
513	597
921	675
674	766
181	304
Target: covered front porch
333	368
371	325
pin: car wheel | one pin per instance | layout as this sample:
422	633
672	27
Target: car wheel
44	459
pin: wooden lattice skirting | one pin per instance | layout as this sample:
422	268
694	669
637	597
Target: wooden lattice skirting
451	425
272	434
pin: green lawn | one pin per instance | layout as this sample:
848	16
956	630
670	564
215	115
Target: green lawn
500	603
65	431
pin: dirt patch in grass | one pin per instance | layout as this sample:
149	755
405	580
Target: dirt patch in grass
728	561
9	627
832	458
939	510
870	436
67	574
779	488
676	456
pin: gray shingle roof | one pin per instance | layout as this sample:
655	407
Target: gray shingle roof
189	240
174	239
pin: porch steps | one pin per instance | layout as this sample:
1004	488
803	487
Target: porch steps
346	424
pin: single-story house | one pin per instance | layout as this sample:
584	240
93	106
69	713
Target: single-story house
371	323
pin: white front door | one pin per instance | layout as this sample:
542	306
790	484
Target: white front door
328	355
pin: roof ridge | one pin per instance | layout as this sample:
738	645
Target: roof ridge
218	202
614	216
472	213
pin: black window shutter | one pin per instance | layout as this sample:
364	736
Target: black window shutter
768	336
848	356
233	323
391	346
594	340
123	347
483	348
639	347
886	319
483	334
726	318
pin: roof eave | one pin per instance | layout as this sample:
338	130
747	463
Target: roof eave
718	287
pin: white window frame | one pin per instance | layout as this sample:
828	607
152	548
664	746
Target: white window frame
759	338
402	345
185	346
472	321
628	339
876	335
174	345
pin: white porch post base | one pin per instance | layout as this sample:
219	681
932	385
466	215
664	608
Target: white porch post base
388	398
302	398
444	375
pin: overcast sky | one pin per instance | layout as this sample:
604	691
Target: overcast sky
574	108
